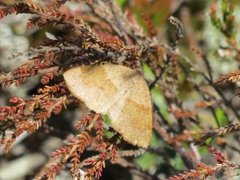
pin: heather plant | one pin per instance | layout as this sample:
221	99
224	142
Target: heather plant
194	101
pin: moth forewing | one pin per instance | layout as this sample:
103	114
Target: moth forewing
118	91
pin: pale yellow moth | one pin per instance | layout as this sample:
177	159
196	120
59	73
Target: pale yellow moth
118	91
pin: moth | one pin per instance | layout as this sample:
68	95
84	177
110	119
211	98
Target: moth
119	92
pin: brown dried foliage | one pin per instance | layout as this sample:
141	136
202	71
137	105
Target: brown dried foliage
118	39
230	77
203	171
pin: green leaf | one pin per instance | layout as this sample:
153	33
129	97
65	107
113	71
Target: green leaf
147	160
155	142
159	100
148	74
107	120
221	117
177	162
121	2
203	150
